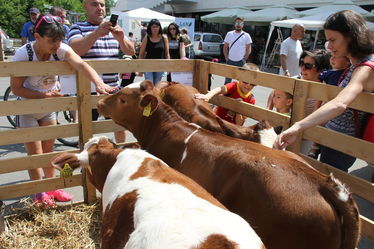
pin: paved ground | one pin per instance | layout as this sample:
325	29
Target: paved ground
360	168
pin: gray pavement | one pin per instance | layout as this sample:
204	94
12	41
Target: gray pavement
360	168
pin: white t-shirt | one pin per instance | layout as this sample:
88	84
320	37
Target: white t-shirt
40	83
293	50
237	51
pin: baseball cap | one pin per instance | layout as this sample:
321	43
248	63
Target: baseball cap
34	10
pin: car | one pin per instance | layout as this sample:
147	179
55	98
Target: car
7	42
207	45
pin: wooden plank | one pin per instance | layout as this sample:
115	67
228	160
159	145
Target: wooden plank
252	111
367	227
154	65
85	130
30	106
23	135
28	162
104	126
339	141
258	78
327	92
34	68
196	75
204	76
355	184
32	187
300	97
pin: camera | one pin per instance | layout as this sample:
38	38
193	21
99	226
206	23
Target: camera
113	19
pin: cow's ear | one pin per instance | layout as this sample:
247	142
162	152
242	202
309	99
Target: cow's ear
149	104
146	85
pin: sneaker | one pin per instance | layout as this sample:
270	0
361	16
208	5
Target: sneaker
314	153
43	200
60	195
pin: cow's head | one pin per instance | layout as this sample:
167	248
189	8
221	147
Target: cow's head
266	132
98	157
130	105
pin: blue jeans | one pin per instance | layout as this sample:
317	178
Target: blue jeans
153	76
233	63
336	158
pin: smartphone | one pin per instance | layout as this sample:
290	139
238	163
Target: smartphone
113	19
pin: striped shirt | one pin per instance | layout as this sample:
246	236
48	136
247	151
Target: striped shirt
105	48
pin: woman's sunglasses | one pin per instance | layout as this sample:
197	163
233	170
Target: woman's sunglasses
171	28
307	66
48	19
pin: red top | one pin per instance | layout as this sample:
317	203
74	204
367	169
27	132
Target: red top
233	91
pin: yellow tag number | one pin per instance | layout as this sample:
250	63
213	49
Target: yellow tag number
66	171
147	110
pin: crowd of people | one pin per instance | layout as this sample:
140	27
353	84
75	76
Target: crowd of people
347	62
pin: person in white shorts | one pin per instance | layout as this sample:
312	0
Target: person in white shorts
48	46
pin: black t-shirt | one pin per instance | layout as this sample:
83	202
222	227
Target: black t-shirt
155	50
174	45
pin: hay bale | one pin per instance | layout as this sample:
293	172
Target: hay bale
69	226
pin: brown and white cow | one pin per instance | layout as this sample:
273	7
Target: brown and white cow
181	98
146	204
288	203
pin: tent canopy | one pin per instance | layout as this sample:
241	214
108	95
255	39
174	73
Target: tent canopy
147	14
278	12
338	6
132	20
226	16
314	22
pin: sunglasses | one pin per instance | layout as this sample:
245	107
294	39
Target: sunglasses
48	19
307	66
172	29
239	23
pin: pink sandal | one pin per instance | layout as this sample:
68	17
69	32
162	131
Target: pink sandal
60	195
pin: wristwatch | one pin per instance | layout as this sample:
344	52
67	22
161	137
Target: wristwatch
286	71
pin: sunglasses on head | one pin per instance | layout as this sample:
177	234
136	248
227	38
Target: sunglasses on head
48	19
308	66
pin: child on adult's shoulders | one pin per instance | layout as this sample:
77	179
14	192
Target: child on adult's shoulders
240	90
339	64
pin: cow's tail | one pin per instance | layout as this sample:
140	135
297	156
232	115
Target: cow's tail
340	198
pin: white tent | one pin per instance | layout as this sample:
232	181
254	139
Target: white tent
277	12
338	6
226	16
132	20
314	22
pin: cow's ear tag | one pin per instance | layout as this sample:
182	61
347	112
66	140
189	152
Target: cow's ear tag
147	110
67	171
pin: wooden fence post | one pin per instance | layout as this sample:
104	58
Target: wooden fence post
85	129
201	75
300	97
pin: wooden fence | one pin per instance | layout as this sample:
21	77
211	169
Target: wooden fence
302	90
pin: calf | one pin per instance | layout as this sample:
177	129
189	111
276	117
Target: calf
181	98
147	204
288	203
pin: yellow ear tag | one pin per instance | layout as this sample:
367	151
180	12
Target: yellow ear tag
147	110
66	171
162	94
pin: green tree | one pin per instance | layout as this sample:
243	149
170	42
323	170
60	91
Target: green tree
14	13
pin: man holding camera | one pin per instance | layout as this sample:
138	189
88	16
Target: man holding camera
97	39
